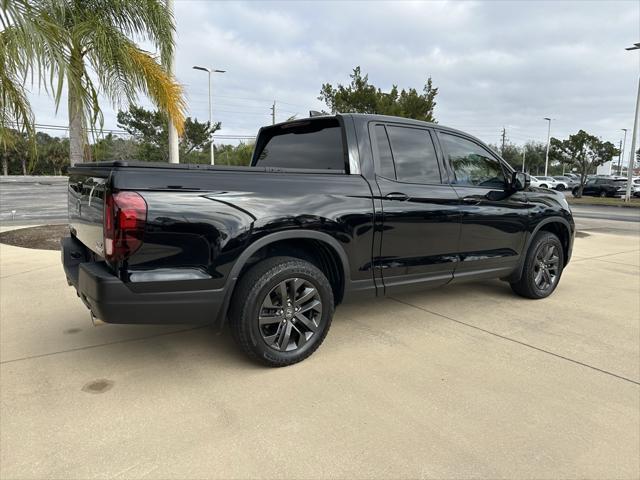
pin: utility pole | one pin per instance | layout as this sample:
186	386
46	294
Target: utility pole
627	196
174	152
546	157
620	158
273	113
504	136
623	145
524	155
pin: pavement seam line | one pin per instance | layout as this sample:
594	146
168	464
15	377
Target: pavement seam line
617	263
557	355
89	347
27	271
606	255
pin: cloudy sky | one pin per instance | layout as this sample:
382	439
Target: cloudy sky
500	63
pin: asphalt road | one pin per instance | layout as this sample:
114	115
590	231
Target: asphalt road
467	381
28	200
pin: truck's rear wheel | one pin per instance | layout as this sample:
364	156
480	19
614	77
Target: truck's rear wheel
281	311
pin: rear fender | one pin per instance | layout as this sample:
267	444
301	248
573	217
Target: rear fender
267	240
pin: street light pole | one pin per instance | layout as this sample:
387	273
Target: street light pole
546	158
632	154
209	72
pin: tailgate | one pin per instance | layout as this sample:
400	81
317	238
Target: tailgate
87	189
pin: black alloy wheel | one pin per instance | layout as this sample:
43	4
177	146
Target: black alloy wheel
281	310
547	267
542	268
290	314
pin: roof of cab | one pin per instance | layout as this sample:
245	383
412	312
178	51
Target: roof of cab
373	117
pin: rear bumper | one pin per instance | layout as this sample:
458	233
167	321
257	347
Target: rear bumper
112	301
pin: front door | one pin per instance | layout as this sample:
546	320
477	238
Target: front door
420	219
493	220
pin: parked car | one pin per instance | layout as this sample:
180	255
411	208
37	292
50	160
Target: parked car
604	187
320	216
566	183
544	182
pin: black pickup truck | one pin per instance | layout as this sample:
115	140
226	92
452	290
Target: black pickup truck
331	208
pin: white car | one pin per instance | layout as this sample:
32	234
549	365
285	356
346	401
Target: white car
545	182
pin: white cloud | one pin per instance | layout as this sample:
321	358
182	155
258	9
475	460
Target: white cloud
496	64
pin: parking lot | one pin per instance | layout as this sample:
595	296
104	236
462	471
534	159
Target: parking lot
461	382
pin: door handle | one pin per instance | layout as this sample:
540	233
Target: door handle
471	200
396	196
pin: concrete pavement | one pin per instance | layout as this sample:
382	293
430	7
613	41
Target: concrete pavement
463	382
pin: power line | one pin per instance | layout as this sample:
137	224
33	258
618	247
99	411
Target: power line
43	126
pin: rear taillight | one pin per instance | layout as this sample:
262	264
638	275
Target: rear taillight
125	216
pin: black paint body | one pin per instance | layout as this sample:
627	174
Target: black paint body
205	224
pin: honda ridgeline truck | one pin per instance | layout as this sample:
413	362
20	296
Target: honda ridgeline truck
331	208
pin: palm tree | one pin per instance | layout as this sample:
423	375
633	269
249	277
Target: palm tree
96	55
25	45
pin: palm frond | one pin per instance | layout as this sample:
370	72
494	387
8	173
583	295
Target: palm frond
161	87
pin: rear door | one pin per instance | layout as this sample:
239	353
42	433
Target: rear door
592	187
420	221
493	221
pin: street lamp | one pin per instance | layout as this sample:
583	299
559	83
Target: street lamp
546	158
627	196
209	72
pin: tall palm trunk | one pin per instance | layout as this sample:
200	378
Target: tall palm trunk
77	120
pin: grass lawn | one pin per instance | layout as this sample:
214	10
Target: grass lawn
615	202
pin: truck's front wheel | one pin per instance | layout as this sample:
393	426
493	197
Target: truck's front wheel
281	311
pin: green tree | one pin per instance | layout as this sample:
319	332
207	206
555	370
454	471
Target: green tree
362	97
511	153
96	36
53	155
584	152
149	129
111	148
534	157
238	155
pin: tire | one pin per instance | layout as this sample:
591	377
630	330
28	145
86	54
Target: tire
560	188
532	282
259	291
602	194
575	191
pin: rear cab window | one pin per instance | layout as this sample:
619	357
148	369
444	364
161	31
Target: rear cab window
406	154
310	144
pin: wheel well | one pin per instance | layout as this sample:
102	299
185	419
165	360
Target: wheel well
317	252
561	231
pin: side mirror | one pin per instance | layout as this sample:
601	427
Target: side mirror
520	181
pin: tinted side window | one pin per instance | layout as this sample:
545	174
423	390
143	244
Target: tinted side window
472	164
312	144
385	159
414	155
